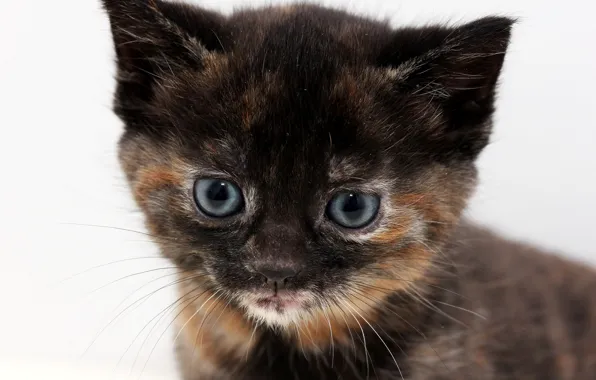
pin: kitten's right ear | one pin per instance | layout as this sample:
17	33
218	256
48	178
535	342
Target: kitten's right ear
154	39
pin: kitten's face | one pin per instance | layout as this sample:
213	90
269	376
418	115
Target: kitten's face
297	159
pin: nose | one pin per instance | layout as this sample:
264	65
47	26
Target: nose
278	275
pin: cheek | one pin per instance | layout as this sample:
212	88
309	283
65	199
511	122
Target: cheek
156	190
405	244
398	225
151	179
390	273
422	217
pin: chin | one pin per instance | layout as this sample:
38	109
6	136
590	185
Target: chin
280	310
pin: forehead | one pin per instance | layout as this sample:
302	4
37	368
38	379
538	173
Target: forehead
271	124
291	96
264	126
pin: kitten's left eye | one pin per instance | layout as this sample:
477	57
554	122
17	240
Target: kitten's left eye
218	198
353	210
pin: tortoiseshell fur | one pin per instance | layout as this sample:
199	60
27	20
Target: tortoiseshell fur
294	103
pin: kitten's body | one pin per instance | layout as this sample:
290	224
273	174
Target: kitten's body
346	149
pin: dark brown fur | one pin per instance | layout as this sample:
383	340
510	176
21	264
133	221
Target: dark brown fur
293	104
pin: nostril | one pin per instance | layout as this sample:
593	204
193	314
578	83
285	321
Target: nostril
277	275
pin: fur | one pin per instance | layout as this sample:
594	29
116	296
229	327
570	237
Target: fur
294	104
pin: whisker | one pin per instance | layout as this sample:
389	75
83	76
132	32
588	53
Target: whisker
175	282
121	229
375	307
250	341
330	337
105	265
141	287
168	327
125	277
113	320
435	251
363	340
223	310
413	282
189	319
198	331
461	308
429	304
161	313
348	361
382	340
405	321
310	337
342	314
207	314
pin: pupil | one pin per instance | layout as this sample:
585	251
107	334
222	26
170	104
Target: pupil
218	193
352	204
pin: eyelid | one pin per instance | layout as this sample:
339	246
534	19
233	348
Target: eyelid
355	188
380	187
198	173
212	173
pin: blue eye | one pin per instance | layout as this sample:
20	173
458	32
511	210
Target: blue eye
218	198
353	210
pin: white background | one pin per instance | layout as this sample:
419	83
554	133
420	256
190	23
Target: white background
57	165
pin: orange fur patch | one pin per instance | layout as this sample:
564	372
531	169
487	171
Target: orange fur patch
343	319
153	178
323	330
250	102
438	213
394	272
400	223
394	231
254	98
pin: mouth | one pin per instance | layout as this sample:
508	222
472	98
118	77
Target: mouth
276	308
279	301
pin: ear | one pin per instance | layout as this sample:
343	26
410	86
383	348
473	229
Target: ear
456	67
154	39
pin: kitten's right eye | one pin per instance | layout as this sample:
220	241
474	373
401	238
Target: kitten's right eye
218	198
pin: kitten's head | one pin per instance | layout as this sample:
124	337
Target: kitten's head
298	158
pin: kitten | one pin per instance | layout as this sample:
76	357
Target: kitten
306	170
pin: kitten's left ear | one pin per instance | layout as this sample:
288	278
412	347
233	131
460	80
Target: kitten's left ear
457	67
